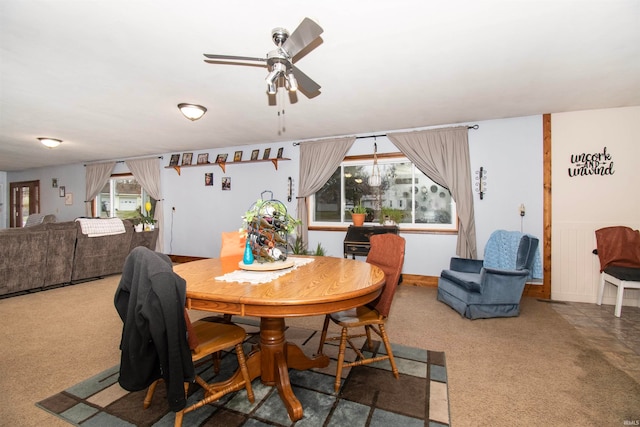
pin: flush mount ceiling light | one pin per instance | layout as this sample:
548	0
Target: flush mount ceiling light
50	142
191	111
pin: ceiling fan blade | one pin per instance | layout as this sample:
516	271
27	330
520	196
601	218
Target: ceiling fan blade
234	58
304	82
302	36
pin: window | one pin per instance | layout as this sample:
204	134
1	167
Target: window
417	200
123	197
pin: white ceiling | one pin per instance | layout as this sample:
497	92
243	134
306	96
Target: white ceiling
105	76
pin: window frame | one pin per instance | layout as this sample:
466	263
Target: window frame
144	197
367	161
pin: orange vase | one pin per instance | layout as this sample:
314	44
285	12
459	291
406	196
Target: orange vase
358	219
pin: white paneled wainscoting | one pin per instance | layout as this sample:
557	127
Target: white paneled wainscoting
575	270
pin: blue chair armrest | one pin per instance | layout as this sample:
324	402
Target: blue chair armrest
500	272
465	265
502	286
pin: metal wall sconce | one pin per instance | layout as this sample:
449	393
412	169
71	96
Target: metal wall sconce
481	182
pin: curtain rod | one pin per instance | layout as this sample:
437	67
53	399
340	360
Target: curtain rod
122	161
384	134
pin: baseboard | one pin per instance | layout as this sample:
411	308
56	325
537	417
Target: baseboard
417	280
179	259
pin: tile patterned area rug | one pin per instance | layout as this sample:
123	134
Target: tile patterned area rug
369	395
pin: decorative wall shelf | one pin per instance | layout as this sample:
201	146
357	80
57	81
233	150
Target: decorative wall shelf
223	165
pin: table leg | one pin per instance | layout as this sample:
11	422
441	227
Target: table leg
277	356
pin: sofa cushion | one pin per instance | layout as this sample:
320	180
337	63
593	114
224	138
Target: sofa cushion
468	281
39	218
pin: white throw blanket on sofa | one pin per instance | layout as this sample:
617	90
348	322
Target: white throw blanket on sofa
96	227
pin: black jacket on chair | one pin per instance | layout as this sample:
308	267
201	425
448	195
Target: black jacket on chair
150	301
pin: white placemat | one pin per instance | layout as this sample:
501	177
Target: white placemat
255	277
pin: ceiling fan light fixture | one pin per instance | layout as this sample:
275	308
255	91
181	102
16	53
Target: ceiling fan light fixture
272	77
280	60
192	111
50	142
293	84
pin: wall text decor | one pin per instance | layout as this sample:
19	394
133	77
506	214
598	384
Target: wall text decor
591	164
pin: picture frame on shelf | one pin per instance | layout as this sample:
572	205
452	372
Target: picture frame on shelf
61	191
254	154
175	159
267	153
221	158
226	183
203	158
237	156
186	159
208	179
280	152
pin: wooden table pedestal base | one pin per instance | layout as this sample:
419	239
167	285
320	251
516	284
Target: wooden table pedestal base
272	361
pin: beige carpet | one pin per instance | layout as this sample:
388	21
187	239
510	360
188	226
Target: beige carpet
533	370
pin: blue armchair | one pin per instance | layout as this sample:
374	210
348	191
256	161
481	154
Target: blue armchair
480	289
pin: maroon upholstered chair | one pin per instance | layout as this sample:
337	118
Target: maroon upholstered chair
387	252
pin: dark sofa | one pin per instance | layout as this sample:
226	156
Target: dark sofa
57	253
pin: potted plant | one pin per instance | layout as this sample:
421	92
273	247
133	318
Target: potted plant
358	214
391	216
146	222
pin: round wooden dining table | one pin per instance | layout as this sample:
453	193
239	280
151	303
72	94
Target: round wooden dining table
324	285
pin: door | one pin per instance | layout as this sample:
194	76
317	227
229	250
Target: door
25	200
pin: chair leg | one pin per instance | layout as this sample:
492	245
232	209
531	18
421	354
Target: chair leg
367	330
215	361
178	420
387	346
149	395
323	335
242	361
601	289
619	296
343	345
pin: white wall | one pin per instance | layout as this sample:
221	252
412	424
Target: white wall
203	212
72	177
511	149
583	204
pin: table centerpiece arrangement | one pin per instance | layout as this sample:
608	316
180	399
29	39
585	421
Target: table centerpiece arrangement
268	226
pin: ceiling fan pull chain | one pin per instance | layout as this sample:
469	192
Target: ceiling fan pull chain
280	101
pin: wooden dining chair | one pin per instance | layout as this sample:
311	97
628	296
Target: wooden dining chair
387	252
158	342
231	252
209	339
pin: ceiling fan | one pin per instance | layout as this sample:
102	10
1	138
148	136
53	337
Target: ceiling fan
280	61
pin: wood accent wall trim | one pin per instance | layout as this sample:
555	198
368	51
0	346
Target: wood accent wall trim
546	238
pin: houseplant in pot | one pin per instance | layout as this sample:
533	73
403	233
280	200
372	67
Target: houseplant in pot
358	213
391	216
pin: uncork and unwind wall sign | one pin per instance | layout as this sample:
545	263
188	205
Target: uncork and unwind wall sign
599	163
